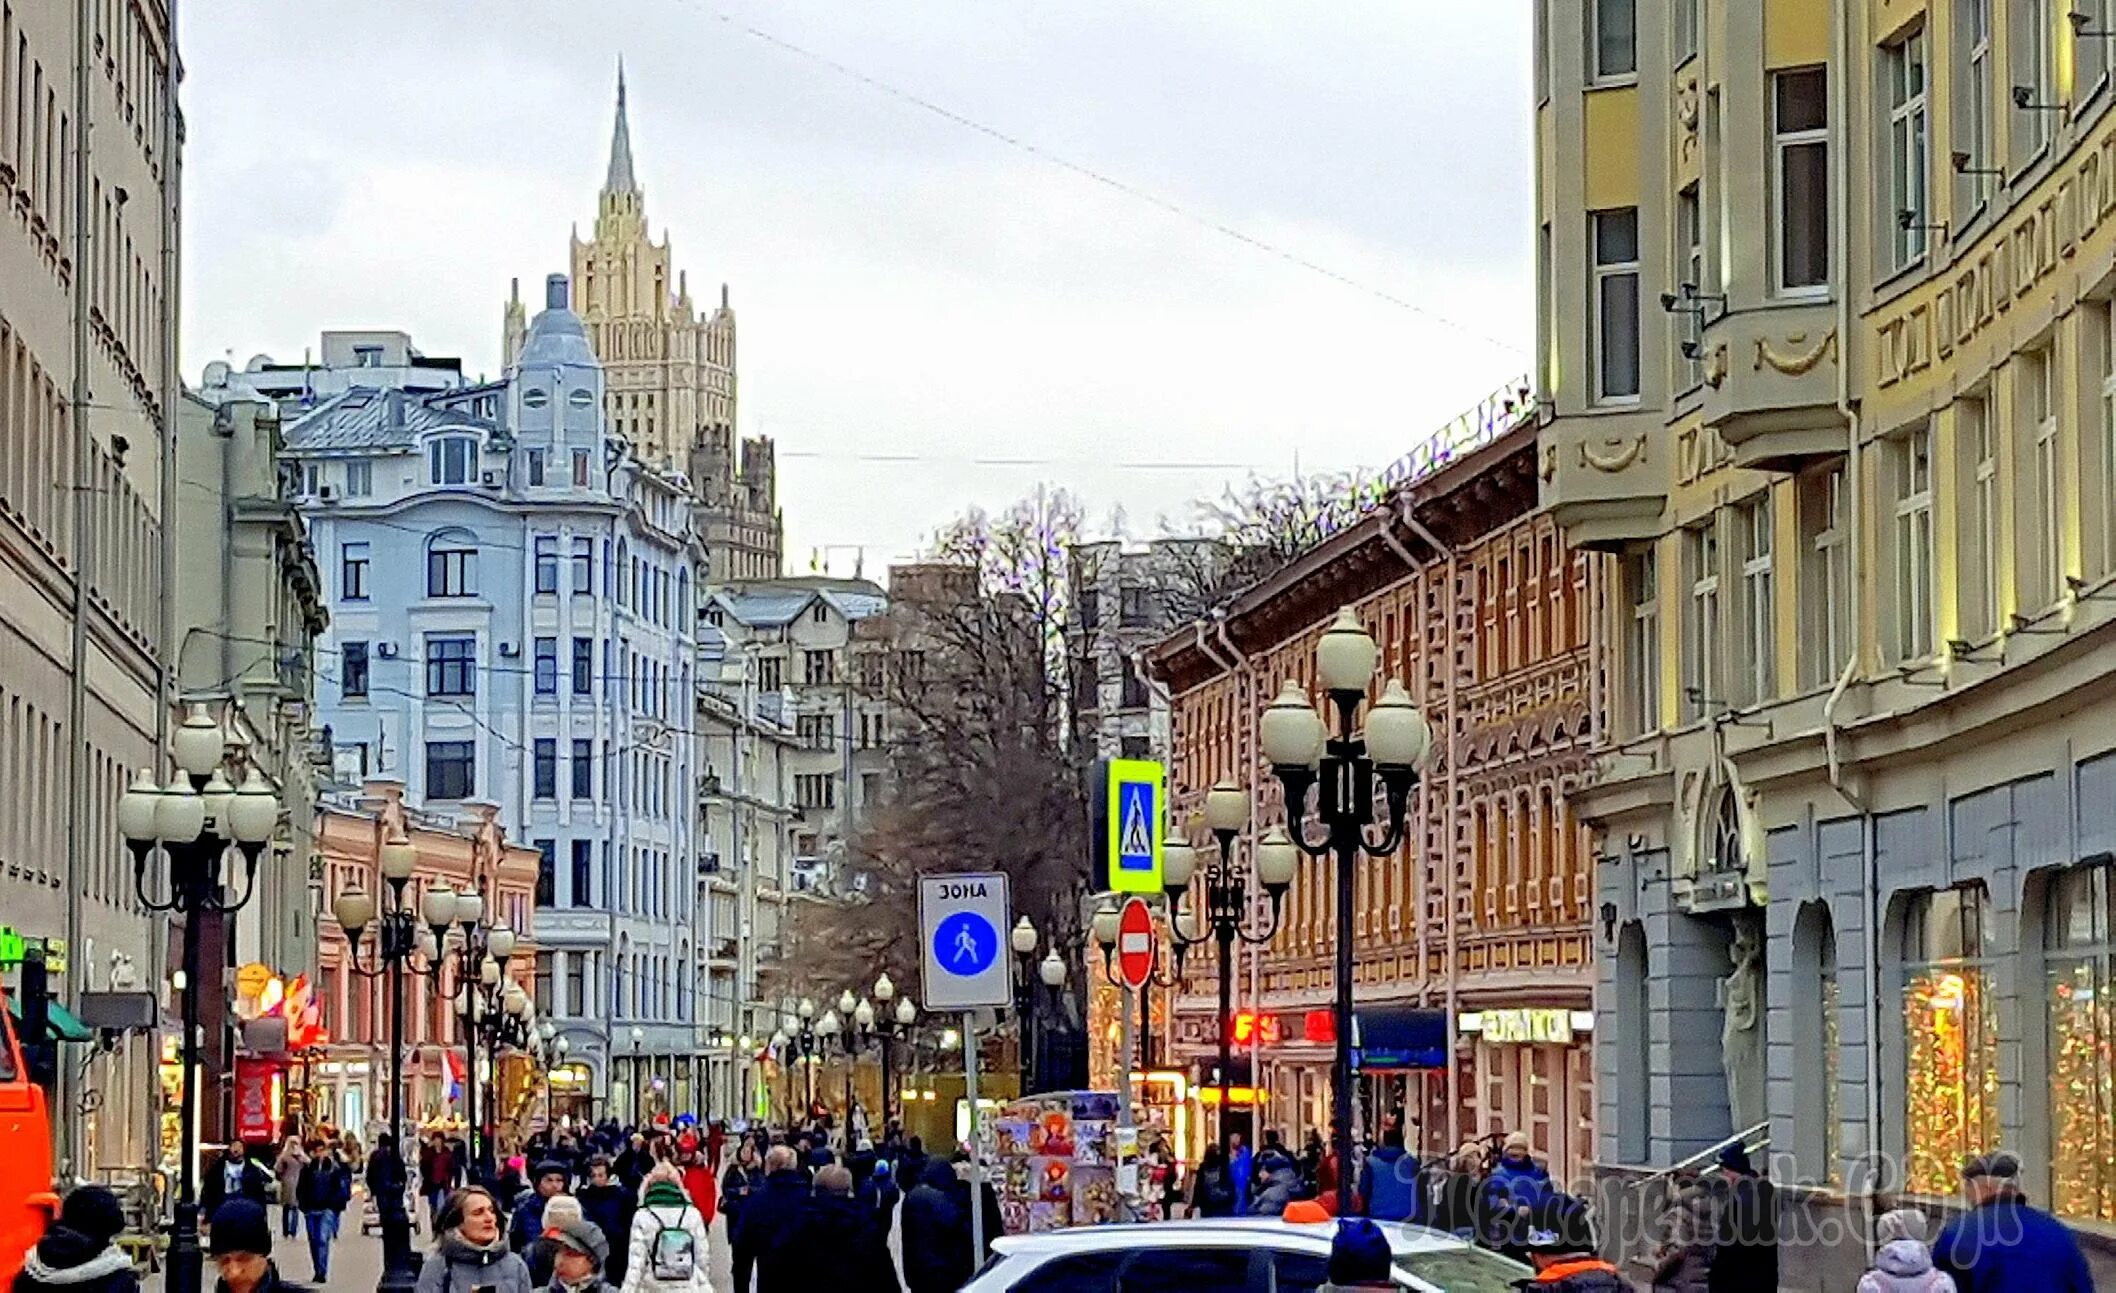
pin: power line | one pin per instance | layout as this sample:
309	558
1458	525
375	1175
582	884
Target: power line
1111	182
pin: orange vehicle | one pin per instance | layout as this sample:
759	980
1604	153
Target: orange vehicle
26	1199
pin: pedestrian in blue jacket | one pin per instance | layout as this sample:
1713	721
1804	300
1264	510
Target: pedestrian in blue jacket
2001	1244
1390	1182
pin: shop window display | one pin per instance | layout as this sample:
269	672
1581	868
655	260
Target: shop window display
1950	1038
2081	961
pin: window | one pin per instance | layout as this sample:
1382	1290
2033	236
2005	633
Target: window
359	479
2090	53
2103	448
583	768
1135	608
546	774
1613	40
1950	1020
577	983
583	876
1089	1272
536	467
1827	585
452	460
352	572
547	563
2044	556
1978	438
541	984
1974	100
1911	470
1134	747
451	666
580	468
1090	610
1909	146
818	667
584	565
583	666
452	565
1689	22
2034	71
815	790
2079	938
817	731
352	671
367	356
1757	668
771	674
1701	624
546	671
546	872
1800	147
1690	278
451	769
1615	323
1642	654
311	478
1133	694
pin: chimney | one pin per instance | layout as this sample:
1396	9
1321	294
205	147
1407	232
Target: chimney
555	292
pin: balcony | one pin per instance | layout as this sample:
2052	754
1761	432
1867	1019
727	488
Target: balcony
1771	386
1605	476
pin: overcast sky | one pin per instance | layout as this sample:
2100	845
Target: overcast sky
907	285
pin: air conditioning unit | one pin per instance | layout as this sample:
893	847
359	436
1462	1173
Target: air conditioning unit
385	650
327	493
709	864
510	650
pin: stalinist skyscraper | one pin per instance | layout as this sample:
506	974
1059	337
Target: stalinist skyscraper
670	371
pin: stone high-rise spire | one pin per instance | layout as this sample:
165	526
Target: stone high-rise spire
621	179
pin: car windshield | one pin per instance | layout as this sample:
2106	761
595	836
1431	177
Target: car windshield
1463	1270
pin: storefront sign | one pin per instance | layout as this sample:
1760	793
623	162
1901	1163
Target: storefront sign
14	949
1525	1025
1255	1028
258	1093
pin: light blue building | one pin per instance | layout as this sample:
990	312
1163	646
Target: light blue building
510	598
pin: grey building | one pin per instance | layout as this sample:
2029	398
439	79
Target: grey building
1123	597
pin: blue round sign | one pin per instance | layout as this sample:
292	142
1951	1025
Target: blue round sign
965	944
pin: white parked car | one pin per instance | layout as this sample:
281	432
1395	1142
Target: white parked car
1231	1255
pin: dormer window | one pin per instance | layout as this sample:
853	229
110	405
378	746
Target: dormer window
452	460
581	397
535	397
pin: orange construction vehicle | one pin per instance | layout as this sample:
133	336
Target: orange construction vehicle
27	1203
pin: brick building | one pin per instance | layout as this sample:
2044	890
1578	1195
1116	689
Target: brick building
1474	977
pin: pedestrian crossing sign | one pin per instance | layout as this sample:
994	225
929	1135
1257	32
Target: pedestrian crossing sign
1132	828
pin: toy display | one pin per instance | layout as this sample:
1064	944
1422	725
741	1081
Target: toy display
1054	1161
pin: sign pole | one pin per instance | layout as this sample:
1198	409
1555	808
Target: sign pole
1127	1131
977	1153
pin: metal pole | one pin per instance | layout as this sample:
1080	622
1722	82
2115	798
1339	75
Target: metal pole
396	1227
85	560
1146	1022
470	1080
888	1079
186	1263
1341	1091
1226	958
977	1154
1125	1122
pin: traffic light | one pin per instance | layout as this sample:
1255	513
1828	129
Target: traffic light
33	1003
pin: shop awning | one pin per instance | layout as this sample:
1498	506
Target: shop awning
61	1024
1399	1037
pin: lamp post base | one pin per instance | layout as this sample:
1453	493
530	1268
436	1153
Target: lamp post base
400	1272
187	1262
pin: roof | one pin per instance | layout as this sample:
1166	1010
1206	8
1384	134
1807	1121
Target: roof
367	418
556	336
620	178
776	604
766	610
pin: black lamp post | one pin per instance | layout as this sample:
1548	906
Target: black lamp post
1050	972
397	941
192	821
1228	904
892	1026
481	951
804	1036
1105	926
1346	768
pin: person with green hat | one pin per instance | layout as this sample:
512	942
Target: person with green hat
241	1247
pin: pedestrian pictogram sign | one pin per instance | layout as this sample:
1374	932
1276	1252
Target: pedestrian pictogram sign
1132	840
1135	943
962	919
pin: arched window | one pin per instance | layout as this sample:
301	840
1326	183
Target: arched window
452	564
683	599
624	572
1726	854
452	460
1950	1019
2079	942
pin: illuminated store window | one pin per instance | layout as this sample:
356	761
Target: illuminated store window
2082	1004
1950	1023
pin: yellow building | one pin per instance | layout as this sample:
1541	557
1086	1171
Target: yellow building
1829	371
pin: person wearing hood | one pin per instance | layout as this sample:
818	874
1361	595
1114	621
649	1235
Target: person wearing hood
560	1211
936	1240
580	1255
771	1213
1683	1263
2000	1243
76	1255
1390	1182
242	1250
836	1246
528	1222
1359	1258
1902	1262
470	1250
605	1201
667	1248
1277	1177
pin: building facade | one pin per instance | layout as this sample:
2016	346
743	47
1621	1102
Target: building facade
89	163
511	604
347	1076
1473	950
374	359
1857	483
670	372
1122	599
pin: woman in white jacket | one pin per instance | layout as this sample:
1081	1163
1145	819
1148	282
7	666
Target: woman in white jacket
669	1235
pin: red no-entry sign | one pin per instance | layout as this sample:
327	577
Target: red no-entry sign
1135	943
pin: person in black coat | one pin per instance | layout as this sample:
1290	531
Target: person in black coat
1747	1257
76	1255
835	1246
936	1243
740	1183
770	1218
605	1201
242	1251
234	1175
388	1184
325	1187
879	1194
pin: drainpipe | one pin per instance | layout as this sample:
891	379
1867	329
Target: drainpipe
1256	715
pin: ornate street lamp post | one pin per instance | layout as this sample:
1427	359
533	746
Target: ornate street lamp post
480	951
1345	767
893	1027
1229	905
192	821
